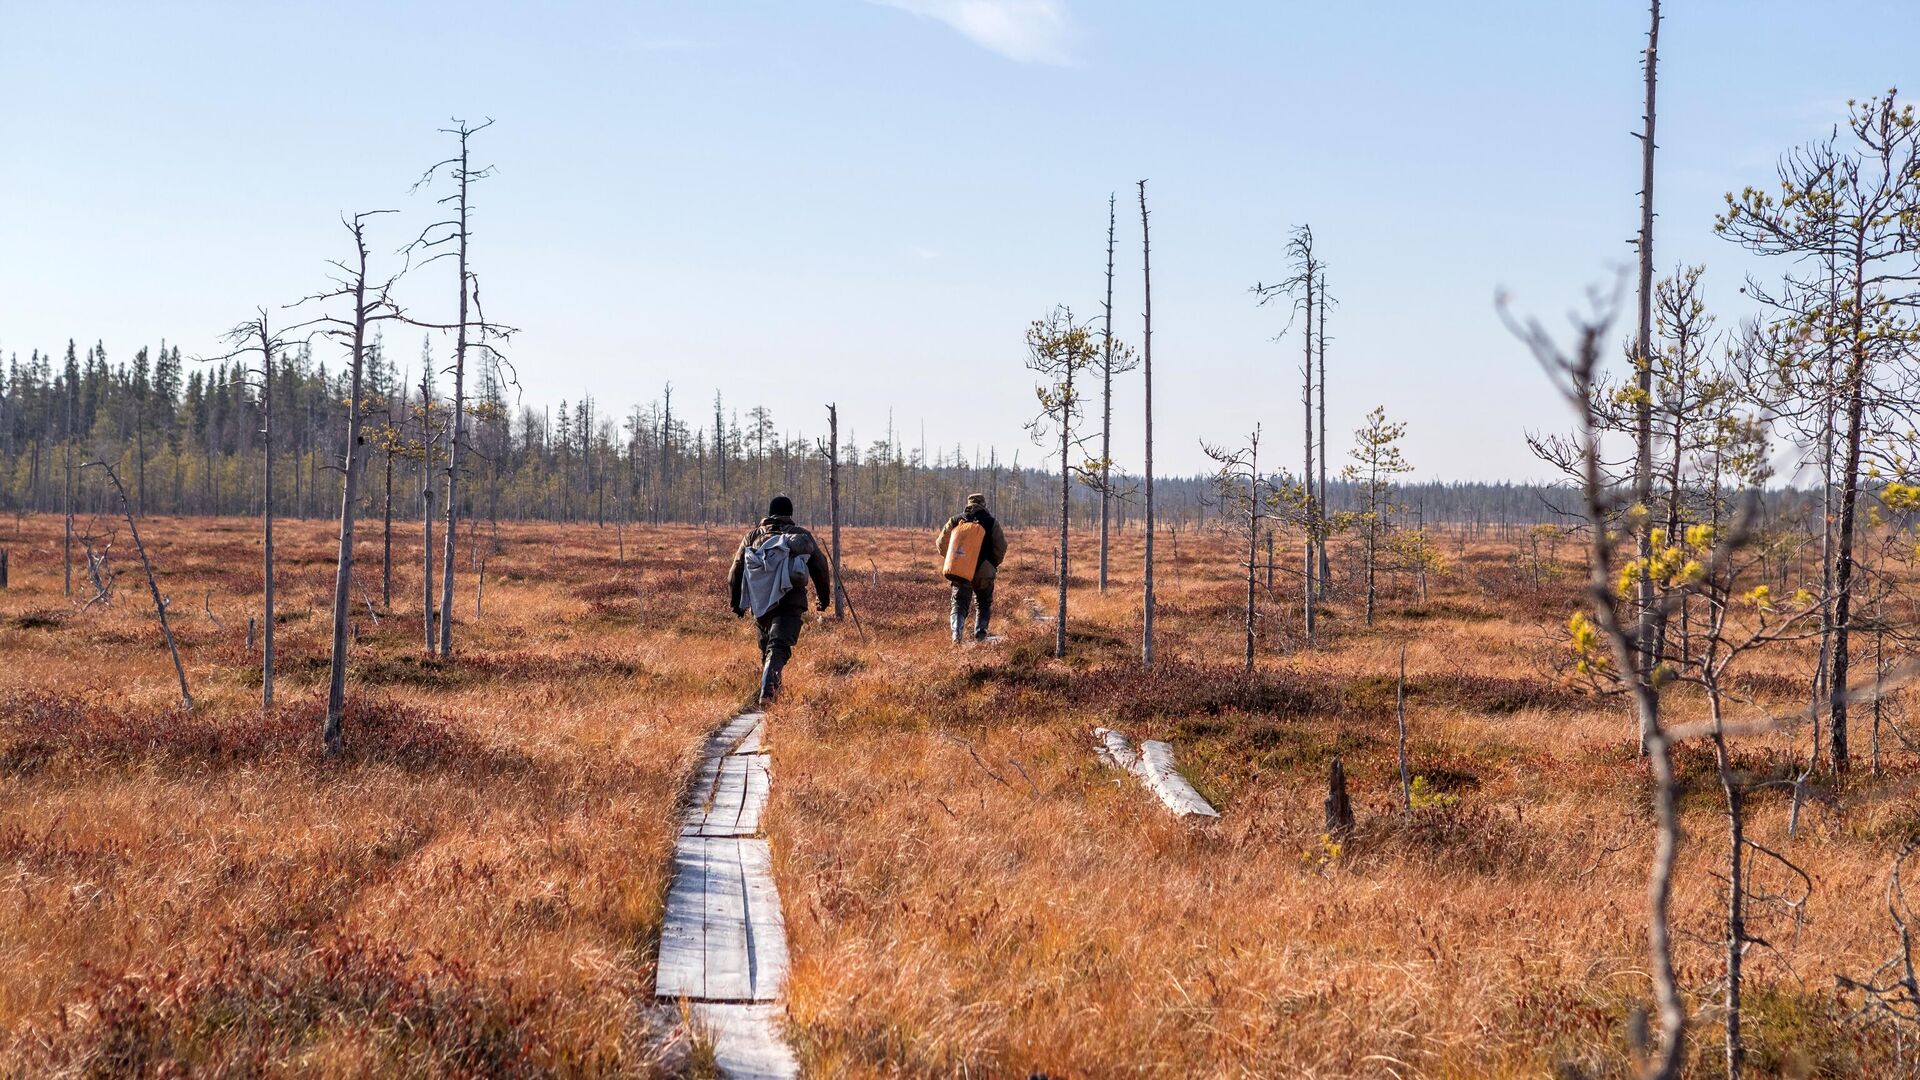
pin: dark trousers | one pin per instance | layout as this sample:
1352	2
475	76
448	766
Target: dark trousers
965	597
779	633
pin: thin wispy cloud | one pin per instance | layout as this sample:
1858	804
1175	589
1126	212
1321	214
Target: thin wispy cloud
1030	31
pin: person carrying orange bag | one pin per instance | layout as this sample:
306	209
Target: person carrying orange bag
972	546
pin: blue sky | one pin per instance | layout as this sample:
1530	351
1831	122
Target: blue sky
803	201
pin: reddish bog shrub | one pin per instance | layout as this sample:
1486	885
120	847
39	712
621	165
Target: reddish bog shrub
242	1013
39	728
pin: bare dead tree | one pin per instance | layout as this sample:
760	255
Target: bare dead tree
1300	290
455	234
99	572
1650	623
1115	359
1322	582
153	584
1146	357
369	302
1400	717
66	547
256	336
830	449
425	412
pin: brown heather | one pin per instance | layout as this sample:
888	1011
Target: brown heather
475	889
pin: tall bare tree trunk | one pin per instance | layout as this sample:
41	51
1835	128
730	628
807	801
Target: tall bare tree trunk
386	539
266	486
1146	355
1321	502
1106	402
456	431
66	547
1310	559
331	736
1844	562
833	500
1253	540
1066	493
1649	617
1736	927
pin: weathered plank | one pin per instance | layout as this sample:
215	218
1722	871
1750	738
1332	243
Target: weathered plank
1115	750
1154	766
723	943
1164	780
730	734
755	740
735	797
746	1041
722	938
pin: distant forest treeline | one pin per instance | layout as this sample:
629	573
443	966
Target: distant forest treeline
185	438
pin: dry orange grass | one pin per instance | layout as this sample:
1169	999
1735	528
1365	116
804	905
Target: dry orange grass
477	887
1031	910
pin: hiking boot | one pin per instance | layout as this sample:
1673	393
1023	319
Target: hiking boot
770	678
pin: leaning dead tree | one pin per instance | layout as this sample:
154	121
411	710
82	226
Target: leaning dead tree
153	584
368	301
451	238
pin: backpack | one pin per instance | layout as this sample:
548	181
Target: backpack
775	566
964	547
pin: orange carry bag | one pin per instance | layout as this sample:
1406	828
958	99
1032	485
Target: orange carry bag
963	551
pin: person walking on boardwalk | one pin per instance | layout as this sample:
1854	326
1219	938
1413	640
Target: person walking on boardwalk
769	578
972	546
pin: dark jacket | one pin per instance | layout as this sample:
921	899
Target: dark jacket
795	602
995	551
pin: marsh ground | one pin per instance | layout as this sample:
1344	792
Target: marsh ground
476	887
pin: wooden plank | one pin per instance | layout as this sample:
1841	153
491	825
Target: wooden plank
746	1041
728	957
755	740
1163	778
766	926
736	799
730	734
682	968
723	941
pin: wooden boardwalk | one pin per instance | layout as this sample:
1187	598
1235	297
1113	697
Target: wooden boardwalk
723	945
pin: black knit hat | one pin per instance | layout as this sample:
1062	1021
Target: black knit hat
781	506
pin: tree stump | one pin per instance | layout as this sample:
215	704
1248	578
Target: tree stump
251	625
1339	810
3	568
